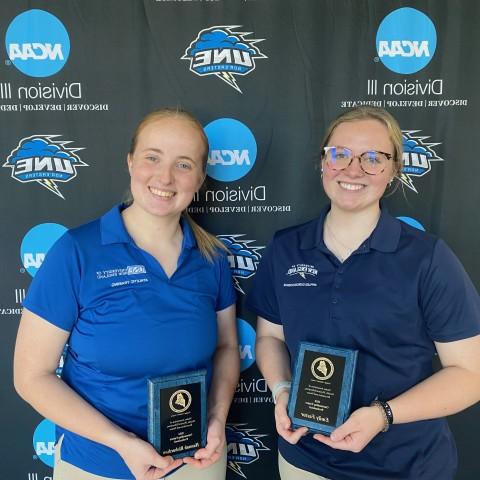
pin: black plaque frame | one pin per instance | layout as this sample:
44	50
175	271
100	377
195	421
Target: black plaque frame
316	422
161	418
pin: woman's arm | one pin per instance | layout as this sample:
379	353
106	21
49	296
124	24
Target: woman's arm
273	361
37	352
452	389
226	369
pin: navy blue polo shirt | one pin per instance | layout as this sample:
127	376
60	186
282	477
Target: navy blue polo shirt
128	322
400	291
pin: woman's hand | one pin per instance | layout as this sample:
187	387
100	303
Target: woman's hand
204	457
357	432
282	420
143	460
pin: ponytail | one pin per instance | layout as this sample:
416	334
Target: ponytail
208	244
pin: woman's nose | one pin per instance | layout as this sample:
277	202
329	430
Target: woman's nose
164	173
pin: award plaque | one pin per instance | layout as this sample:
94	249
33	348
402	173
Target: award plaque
322	385
177	413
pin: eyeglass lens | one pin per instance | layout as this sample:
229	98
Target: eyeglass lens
371	162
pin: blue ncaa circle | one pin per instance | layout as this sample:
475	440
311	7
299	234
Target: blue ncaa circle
412	222
36	243
406	40
44	442
37	43
246	343
233	149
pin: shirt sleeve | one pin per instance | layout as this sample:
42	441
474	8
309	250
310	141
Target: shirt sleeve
262	298
53	293
226	290
449	301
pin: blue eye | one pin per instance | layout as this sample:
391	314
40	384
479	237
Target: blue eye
342	154
184	165
371	157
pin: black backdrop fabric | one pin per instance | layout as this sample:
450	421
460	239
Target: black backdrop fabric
265	77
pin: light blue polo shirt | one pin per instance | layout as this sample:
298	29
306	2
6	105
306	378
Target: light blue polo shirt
128	322
391	299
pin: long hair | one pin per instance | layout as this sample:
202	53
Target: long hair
208	244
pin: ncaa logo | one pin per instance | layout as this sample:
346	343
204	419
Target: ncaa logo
406	40
246	343
44	442
36	244
37	43
233	149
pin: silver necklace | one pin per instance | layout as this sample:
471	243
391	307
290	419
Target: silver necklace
346	247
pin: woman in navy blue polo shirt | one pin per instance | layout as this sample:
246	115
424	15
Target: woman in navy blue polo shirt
357	278
141	292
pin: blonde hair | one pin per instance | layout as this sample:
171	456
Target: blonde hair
372	113
208	244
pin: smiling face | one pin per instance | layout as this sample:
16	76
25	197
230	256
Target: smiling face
166	167
352	189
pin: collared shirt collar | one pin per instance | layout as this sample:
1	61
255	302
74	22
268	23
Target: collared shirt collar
384	238
113	229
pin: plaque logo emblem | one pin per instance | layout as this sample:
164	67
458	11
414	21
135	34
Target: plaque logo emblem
180	401
322	368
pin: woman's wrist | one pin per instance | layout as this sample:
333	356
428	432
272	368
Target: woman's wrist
386	412
213	417
280	387
119	439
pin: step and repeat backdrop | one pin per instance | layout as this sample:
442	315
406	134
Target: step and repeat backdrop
265	77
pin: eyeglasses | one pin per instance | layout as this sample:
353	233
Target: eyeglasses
372	162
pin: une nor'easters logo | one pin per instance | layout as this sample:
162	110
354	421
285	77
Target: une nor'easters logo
42	159
243	447
418	155
222	52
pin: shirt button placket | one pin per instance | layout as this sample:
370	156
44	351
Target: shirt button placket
337	281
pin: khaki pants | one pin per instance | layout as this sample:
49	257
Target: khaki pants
65	471
289	472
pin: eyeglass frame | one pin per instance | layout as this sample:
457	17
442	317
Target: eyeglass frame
389	156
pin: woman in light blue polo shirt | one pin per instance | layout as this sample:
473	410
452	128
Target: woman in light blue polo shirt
357	278
141	292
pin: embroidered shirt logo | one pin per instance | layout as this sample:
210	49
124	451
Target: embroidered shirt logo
128	272
120	272
304	271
